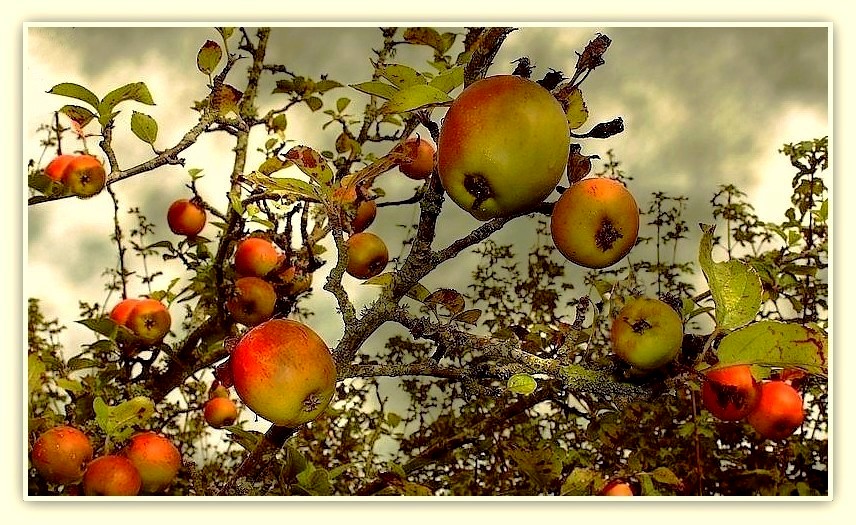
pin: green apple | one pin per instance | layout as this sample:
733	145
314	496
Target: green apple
647	333
503	147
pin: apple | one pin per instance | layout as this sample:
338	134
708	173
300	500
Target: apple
503	147
119	314
730	393
186	217
156	458
647	333
357	211
595	222
60	454
617	488
252	301
58	167
283	371
365	216
111	475
367	255
85	176
418	161
256	257
218	391
149	320
294	281
779	411
220	412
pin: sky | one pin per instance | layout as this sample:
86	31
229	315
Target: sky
789	125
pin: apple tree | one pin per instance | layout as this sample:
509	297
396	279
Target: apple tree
548	372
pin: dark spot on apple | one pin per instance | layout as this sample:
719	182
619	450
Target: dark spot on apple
729	395
311	402
478	187
606	235
640	326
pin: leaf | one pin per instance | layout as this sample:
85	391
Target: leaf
393	419
311	163
429	36
377	89
102	414
248	439
78	114
415	97
522	384
67	89
342	103
579	166
35	369
315	481
69	384
452	300
325	84
734	285
647	485
235	202
384	279
314	103
133	412
469	317
144	127
136	91
226	32
78	363
418	292
294	187
403	76
272	165
101	325
208	57
667	477
225	99
774	343
579	482
574	105
448	80
542	465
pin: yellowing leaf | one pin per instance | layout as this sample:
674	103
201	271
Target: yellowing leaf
415	97
226	98
378	89
575	109
311	163
208	57
403	76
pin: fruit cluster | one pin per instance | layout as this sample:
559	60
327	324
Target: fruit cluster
81	175
148	463
147	318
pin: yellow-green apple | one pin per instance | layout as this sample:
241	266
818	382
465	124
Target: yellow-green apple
149	319
730	393
418	158
85	176
256	257
779	411
119	314
186	217
61	453
156	458
283	371
111	475
220	412
57	168
252	301
367	255
647	333
503	147
595	222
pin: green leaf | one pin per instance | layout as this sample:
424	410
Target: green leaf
311	163
647	485
78	114
314	103
35	369
576	109
271	165
393	419
67	89
79	363
543	465
208	57
342	103
580	482
429	36
226	32
69	384
235	201
102	414
101	325
294	187
247	439
774	343
666	476
315	481
279	123
131	413
415	97
418	292
377	89
448	80
522	384
136	91
734	285
325	84
403	76
144	127
384	279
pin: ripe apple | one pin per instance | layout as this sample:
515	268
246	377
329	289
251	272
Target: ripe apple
61	453
284	372
85	176
730	393
185	217
149	320
360	211
647	333
367	255
617	488
220	412
418	161
111	475
595	222
252	301
156	459
57	168
256	257
119	314
503	147
779	411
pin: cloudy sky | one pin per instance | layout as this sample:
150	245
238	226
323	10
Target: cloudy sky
701	106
